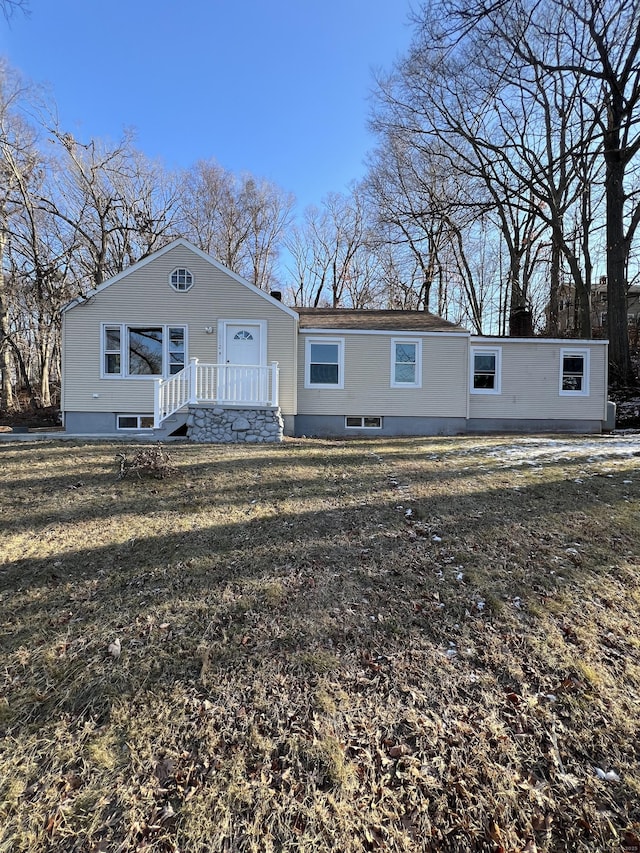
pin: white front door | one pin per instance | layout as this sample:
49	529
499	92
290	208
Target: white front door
242	344
243	354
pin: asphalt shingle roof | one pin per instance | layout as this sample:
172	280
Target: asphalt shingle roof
394	321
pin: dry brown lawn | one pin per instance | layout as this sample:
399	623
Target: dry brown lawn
400	645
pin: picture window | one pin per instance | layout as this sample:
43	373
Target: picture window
133	351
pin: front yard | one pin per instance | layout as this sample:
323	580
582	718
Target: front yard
400	645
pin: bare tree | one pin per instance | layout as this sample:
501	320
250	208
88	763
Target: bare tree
237	218
116	205
598	46
13	148
405	219
10	7
332	260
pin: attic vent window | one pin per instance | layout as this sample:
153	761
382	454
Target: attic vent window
181	279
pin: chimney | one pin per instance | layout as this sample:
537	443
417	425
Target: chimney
521	323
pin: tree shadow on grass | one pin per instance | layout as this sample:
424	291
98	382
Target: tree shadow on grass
338	647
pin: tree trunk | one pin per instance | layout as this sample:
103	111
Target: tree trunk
6	389
619	355
554	290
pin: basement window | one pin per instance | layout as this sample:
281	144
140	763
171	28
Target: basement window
135	422
362	422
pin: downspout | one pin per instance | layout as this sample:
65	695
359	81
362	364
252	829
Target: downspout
467	381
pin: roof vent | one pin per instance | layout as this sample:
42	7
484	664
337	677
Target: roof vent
276	294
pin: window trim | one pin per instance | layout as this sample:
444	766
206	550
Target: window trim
137	428
482	350
585	355
124	350
362	419
334	386
106	351
176	287
417	383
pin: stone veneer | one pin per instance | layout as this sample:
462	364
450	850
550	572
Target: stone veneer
218	425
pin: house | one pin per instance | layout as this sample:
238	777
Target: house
567	319
179	345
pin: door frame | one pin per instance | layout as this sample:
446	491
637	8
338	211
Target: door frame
222	338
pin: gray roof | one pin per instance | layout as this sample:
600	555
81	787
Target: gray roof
393	321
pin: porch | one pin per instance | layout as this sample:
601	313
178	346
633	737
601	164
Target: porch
216	385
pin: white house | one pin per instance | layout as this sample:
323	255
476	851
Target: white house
177	344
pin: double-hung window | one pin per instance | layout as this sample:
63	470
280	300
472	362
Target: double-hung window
574	372
324	363
486	364
143	350
406	361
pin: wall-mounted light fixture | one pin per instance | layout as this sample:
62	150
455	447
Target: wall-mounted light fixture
208	330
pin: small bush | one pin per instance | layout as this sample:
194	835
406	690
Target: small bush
155	461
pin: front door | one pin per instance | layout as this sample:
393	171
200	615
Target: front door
242	344
243	354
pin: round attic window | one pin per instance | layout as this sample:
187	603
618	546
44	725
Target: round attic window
181	279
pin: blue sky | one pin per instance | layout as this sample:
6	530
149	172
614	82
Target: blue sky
278	88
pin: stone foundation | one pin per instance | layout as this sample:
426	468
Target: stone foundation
217	425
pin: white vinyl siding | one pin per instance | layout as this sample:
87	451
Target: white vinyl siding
143	297
529	384
367	387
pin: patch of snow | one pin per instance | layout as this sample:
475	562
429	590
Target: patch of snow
609	776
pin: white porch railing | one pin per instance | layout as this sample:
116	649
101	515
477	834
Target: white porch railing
218	384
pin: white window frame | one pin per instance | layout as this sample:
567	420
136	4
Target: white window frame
362	419
307	363
575	352
181	286
417	382
105	351
495	351
138	420
124	349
